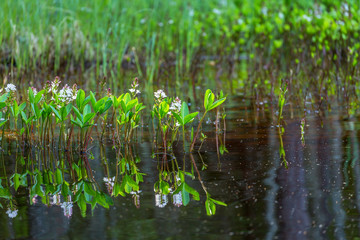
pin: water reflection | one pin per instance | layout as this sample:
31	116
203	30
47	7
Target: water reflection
128	194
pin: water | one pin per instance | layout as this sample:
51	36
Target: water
317	197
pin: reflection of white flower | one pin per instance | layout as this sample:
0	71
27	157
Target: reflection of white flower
159	94
109	181
160	200
55	200
67	207
177	199
10	88
12	213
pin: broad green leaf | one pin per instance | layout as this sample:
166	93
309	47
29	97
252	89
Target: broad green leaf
217	103
57	114
219	202
16	180
80	98
184	111
178	118
58	176
190	117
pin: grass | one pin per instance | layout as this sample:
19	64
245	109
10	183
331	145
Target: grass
172	42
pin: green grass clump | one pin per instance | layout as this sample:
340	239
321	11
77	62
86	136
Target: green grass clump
155	38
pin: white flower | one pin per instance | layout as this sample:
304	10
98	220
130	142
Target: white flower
159	94
10	88
281	15
132	90
137	92
264	10
109	181
160	200
191	12
160	24
66	94
142	21
216	11
170	21
176	105
67	207
12	213
240	21
307	18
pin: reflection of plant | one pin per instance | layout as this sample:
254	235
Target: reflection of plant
282	150
209	104
302	129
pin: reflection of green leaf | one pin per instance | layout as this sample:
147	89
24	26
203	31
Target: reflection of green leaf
117	190
65	189
5	193
16	181
82	205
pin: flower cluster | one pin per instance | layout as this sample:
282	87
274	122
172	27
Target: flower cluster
54	85
67	94
176	105
161	200
134	85
10	88
159	94
109	182
12	213
67	207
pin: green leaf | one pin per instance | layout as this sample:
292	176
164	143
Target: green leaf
192	191
31	95
4	97
217	103
57	114
80	98
184	111
38	96
82	205
88	189
65	189
5	193
219	202
77	113
206	98
190	117
88	117
58	176
16	179
117	190
178	118
131	104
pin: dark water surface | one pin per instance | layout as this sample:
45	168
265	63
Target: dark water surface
317	197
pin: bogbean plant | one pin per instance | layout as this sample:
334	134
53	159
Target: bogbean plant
68	112
171	114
